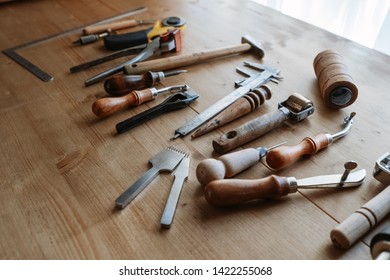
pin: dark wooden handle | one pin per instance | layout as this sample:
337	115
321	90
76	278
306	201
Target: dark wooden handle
286	155
107	106
236	191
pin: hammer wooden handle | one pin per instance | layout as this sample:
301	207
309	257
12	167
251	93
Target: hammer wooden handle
363	220
249	131
184	60
285	155
235	191
106	106
226	166
95	29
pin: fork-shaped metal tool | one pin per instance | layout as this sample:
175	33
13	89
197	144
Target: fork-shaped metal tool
181	174
166	160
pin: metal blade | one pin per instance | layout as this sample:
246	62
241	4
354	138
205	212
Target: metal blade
354	179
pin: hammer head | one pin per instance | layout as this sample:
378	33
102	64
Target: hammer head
256	46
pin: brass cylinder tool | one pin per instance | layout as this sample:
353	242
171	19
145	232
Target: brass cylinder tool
370	214
229	165
336	85
286	155
107	106
227	192
380	245
242	106
118	85
296	108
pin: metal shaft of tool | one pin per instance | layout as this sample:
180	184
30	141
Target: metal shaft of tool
347	125
181	174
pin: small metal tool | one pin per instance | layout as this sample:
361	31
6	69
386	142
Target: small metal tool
349	166
253	82
88	39
370	214
180	174
166	160
229	165
380	245
287	155
235	191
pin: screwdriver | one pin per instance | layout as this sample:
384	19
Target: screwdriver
121	84
229	165
106	106
287	155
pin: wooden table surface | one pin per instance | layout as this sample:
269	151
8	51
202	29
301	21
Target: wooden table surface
62	168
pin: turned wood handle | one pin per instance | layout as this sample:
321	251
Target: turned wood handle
285	155
363	220
96	29
226	166
106	106
183	60
249	131
235	191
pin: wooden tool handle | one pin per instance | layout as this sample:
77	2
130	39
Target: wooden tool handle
249	131
363	220
285	155
226	166
235	191
183	60
96	29
106	106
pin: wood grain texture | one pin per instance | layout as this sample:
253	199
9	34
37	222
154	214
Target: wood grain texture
62	167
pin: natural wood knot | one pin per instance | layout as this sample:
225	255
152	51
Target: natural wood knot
71	160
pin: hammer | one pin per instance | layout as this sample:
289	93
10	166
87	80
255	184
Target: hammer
247	44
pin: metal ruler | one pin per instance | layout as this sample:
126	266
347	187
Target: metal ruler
38	72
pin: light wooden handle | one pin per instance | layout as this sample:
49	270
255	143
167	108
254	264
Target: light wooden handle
286	155
183	60
236	191
363	220
226	166
107	106
96	29
249	131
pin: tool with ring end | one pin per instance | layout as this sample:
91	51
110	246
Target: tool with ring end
295	108
229	165
175	102
227	192
286	155
122	41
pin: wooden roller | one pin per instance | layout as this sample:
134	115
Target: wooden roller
336	85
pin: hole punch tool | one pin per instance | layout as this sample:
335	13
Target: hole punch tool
264	75
127	40
370	214
228	192
295	108
167	42
286	155
107	106
175	102
165	161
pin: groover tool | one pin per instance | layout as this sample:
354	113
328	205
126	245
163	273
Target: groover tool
380	245
167	42
123	41
286	155
229	165
248	44
165	161
118	85
226	192
242	106
175	102
295	108
107	106
262	76
336	85
370	214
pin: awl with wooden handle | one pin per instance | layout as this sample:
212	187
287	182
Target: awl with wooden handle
106	106
286	155
239	108
95	29
227	192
